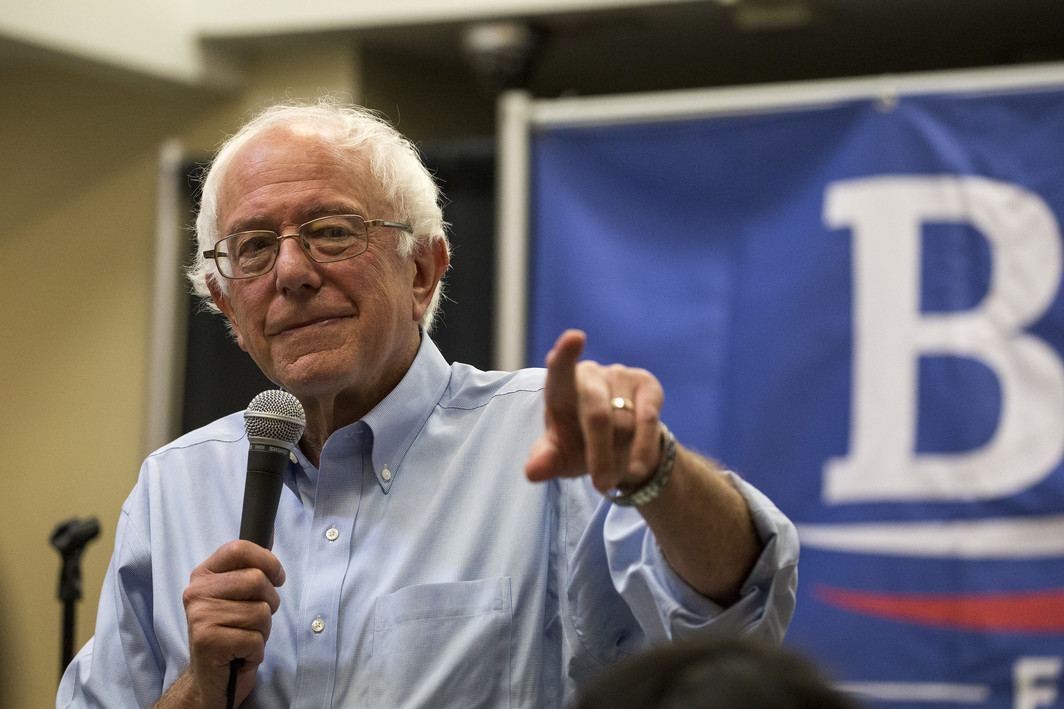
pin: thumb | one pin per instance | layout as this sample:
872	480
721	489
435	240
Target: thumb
544	460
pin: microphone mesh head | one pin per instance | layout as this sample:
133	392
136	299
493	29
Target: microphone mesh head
277	415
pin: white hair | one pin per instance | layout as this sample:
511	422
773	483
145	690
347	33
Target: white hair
359	138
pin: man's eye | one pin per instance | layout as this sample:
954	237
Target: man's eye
254	245
332	233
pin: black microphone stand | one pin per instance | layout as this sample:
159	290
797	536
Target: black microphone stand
69	539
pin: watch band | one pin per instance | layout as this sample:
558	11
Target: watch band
652	488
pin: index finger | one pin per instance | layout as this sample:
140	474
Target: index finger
560	389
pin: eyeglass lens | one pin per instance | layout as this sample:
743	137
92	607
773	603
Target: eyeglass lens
326	239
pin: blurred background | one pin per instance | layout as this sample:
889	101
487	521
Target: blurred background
106	105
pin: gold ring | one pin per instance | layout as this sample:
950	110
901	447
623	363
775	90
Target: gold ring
620	402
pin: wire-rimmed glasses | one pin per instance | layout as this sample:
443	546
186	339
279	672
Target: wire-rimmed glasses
326	239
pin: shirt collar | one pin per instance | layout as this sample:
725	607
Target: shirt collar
393	424
397	420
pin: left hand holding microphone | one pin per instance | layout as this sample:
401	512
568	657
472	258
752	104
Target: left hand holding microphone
229	604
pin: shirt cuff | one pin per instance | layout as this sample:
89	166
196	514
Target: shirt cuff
667	608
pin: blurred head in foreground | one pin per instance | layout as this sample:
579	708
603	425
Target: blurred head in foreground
714	673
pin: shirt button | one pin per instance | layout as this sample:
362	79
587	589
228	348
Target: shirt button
292	457
386	474
332	534
317	625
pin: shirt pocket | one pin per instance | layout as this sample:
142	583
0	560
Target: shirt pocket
443	645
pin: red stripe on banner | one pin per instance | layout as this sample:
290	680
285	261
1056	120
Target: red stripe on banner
1025	612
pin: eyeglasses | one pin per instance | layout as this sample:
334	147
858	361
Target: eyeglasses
325	240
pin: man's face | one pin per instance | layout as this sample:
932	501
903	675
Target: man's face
320	330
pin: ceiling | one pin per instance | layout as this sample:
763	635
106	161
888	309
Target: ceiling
676	45
729	42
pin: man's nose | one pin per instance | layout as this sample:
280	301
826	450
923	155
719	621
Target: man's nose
295	248
294	266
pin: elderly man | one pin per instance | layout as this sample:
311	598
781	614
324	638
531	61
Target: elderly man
446	537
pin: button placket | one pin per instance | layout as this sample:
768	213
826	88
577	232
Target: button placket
337	497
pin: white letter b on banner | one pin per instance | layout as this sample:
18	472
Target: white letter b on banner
885	216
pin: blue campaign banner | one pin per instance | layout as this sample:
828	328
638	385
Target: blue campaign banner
857	307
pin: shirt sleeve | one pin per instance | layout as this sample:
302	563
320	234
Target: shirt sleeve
639	600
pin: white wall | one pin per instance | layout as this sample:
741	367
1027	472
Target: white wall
150	36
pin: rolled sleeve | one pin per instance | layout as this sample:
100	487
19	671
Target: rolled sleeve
667	608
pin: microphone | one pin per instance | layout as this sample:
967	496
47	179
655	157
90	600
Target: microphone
274	421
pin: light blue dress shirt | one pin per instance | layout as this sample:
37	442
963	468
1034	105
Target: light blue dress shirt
423	569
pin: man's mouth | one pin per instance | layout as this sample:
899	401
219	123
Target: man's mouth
286	328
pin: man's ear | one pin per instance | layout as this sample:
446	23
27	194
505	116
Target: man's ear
430	263
222	301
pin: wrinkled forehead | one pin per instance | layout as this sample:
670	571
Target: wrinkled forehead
287	170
